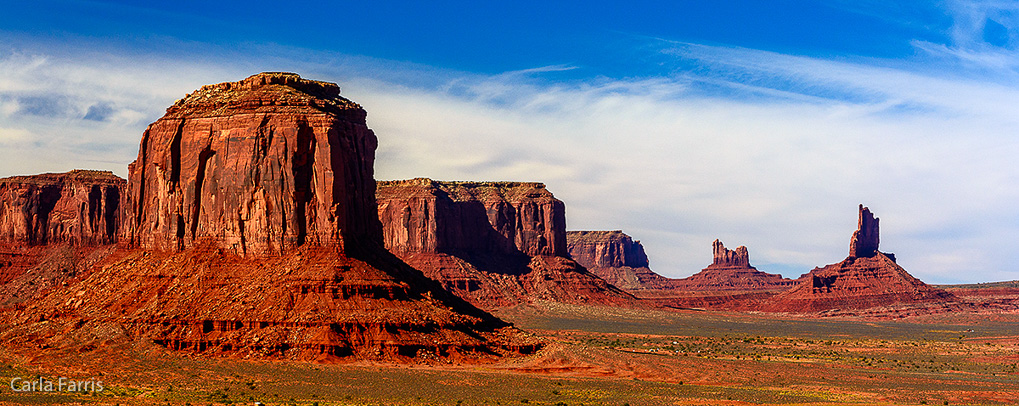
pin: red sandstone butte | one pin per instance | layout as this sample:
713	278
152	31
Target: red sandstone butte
619	259
731	270
258	166
493	243
78	207
867	278
615	257
251	229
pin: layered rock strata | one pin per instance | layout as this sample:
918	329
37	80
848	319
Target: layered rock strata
867	278
492	243
615	257
250	228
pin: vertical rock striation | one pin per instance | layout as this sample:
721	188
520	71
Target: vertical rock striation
492	243
258	167
422	215
77	207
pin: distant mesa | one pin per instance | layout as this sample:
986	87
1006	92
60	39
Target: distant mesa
493	243
78	207
248	227
619	259
615	257
867	278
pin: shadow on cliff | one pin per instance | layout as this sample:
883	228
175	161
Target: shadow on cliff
377	256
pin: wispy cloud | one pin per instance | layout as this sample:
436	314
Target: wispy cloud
757	148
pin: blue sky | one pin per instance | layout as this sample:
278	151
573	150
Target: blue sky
762	123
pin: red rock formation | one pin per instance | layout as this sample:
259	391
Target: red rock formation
615	257
252	205
422	215
864	243
867	278
78	207
620	260
257	166
725	258
493	243
731	270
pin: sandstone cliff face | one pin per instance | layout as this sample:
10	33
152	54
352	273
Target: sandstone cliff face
422	215
493	243
258	167
867	278
615	257
251	230
78	207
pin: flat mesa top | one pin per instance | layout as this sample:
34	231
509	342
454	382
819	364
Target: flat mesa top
74	175
596	236
460	184
264	92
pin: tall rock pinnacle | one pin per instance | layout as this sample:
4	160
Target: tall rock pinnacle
864	243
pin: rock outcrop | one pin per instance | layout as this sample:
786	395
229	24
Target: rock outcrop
866	238
250	229
77	207
256	167
615	257
620	260
731	270
422	215
867	278
493	243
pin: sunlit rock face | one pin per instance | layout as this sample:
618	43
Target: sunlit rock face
258	166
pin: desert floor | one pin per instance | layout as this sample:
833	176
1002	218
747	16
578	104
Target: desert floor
594	356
